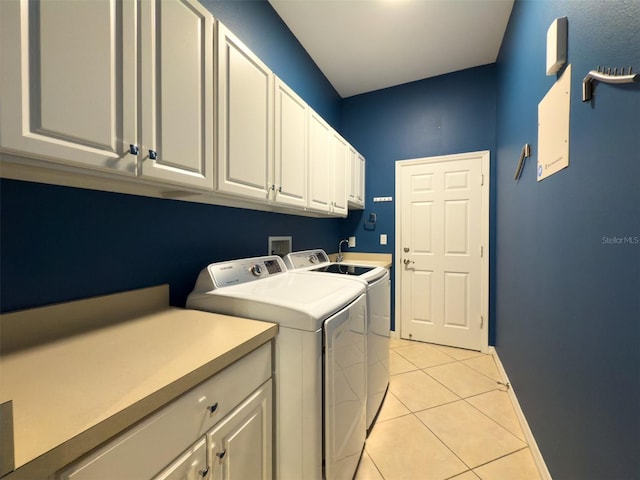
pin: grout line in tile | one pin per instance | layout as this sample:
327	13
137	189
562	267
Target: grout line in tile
457	394
482	373
374	464
393	418
444	443
499	458
471	468
462	473
453	360
494	420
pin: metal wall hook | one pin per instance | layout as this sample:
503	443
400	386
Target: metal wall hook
525	153
605	75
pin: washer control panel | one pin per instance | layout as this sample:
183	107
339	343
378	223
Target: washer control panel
236	272
306	258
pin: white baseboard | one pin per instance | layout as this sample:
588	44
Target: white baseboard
531	441
394	334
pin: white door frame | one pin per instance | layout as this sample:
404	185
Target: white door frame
485	157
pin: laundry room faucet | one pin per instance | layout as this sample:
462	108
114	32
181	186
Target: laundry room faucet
340	256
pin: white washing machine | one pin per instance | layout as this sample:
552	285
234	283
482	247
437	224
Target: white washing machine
320	358
378	285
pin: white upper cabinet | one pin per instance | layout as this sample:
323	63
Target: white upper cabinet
340	166
356	180
68	82
158	90
289	184
245	120
320	155
177	91
328	168
74	74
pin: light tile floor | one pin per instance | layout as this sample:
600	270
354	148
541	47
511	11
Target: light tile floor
445	417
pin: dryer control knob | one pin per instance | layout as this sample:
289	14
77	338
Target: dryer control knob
256	270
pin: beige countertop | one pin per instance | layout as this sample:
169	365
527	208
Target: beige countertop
71	393
360	258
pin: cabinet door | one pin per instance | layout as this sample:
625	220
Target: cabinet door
191	465
290	163
245	119
67	82
240	446
356	183
340	168
320	173
362	163
176	88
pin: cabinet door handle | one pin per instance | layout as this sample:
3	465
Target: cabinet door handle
212	408
221	454
153	154
133	149
205	472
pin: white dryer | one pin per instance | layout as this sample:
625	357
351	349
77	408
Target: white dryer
320	358
378	286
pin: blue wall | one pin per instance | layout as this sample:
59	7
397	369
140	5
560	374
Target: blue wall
566	316
59	244
568	302
453	113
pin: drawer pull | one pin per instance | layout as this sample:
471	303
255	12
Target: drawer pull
213	408
221	454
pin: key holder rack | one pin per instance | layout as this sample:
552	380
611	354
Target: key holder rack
606	75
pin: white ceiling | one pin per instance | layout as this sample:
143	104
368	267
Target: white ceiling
366	45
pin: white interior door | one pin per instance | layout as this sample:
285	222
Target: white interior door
442	249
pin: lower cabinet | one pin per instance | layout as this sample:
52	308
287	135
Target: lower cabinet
239	447
189	466
221	429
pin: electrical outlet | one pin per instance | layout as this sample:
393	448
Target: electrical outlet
383	239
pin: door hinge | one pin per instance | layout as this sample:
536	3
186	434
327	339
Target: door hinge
482	179
481	322
481	251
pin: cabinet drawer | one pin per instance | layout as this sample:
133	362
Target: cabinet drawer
146	449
